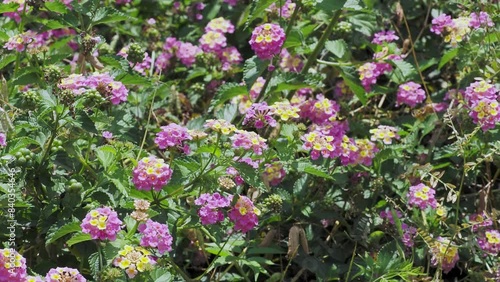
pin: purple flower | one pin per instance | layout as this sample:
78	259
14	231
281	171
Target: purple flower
102	224
422	196
441	23
209	212
260	115
384	36
156	235
481	19
411	94
267	40
3	139
62	274
249	140
244	215
12	266
173	135
107	134
151	173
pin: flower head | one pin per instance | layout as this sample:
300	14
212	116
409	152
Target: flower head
260	115
273	173
445	254
411	94
384	133
210	212
249	140
220	126
422	196
220	25
64	274
267	40
285	110
384	36
12	266
173	135
133	260
102	224
3	139
244	215
156	235
151	173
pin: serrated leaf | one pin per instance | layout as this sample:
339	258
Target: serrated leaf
94	263
337	47
448	56
56	6
258	9
317	171
7	8
228	112
253	68
406	69
352	4
226	92
7	60
106	155
354	84
117	181
62	231
328	5
134	79
110	15
78	238
364	23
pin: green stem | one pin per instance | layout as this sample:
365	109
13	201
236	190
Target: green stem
313	57
147	123
352	261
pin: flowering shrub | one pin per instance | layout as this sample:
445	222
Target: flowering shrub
233	140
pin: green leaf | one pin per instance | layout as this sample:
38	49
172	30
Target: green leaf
106	155
330	5
7	60
134	79
10	7
407	70
62	231
354	84
363	22
118	179
78	238
317	171
109	15
57	7
448	56
337	47
228	112
258	9
253	68
352	4
94	263
226	92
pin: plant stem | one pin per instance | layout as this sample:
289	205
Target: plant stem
319	46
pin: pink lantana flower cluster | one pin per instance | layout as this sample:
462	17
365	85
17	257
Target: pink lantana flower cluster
151	173
444	254
289	62
456	30
63	274
422	196
249	140
384	36
285	110
482	99
134	259
220	126
411	94
489	241
156	235
173	136
273	173
320	110
260	115
266	40
369	72
16	16
113	90
3	139
102	224
211	204
28	40
384	133
284	11
12	266
244	215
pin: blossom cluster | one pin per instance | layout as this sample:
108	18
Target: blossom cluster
456	30
151	173
62	274
102	224
273	173
12	266
173	136
285	110
249	140
489	242
284	11
444	254
422	196
266	40
113	90
244	215
259	115
134	259
220	126
384	133
410	93
482	99
210	212
289	62
384	36
156	235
